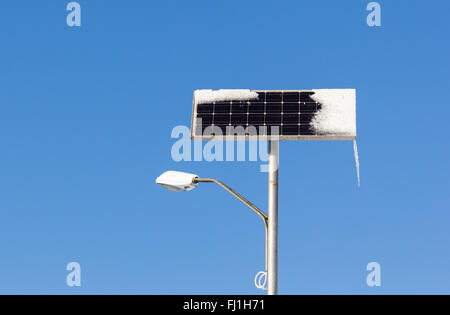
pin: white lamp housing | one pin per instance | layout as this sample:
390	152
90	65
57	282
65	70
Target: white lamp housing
177	181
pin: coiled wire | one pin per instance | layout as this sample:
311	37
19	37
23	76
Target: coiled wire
261	280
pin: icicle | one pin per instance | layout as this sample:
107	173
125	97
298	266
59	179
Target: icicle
355	150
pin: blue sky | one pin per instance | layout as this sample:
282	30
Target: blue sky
86	116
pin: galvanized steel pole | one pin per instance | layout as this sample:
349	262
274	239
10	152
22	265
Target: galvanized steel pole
272	270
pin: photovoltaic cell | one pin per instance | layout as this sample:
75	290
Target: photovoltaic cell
291	112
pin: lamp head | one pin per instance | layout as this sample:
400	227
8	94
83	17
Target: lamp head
177	181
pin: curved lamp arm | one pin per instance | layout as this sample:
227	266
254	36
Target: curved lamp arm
235	194
242	199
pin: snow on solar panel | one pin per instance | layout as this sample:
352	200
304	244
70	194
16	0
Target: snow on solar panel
285	115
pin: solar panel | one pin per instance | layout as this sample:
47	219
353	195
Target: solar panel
284	115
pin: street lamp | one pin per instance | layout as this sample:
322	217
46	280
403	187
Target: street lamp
231	115
180	181
177	181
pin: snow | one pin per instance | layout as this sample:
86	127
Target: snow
355	151
337	116
338	113
207	96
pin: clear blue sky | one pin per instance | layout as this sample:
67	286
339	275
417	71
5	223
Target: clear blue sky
86	116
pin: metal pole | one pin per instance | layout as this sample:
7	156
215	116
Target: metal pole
272	268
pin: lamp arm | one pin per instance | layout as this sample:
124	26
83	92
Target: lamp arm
235	194
242	199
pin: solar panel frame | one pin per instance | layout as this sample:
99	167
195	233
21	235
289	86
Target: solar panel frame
226	137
